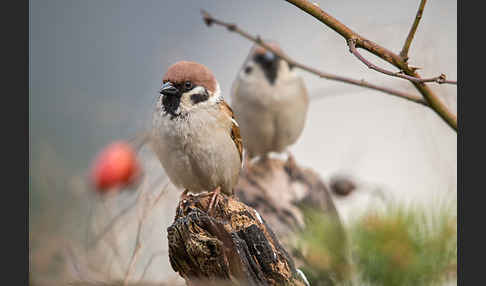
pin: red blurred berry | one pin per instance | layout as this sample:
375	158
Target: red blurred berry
115	167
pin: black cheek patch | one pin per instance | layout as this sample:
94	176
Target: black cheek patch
199	97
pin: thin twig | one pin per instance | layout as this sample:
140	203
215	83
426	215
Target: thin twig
111	239
72	258
432	99
112	223
149	263
352	48
208	19
88	223
138	244
139	140
159	196
413	29
450	81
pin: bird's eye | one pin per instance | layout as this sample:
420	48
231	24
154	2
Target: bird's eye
248	69
188	85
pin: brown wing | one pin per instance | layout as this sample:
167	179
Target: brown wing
235	129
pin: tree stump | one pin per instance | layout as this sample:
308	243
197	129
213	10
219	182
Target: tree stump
232	246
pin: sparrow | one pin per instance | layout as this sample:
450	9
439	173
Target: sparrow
194	132
270	102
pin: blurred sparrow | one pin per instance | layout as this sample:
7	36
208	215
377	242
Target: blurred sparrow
270	102
194	133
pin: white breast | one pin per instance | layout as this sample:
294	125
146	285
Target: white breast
197	152
271	117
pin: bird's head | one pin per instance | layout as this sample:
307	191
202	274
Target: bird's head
185	86
263	64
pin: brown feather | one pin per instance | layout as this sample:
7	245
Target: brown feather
259	50
235	129
196	73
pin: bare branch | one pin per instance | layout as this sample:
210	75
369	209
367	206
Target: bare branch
115	219
449	81
149	263
138	246
432	99
148	207
413	29
111	239
139	140
112	223
209	20
159	196
71	257
352	48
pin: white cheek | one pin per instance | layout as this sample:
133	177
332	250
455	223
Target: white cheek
243	73
216	96
255	76
186	102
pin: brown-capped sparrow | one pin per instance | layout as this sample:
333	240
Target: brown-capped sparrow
270	102
194	133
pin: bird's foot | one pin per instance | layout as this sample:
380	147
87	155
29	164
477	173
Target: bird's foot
291	166
183	197
214	198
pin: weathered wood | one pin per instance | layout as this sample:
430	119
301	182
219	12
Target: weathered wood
231	246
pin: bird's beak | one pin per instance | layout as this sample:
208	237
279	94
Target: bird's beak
169	89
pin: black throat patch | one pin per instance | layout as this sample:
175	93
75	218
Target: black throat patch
170	104
270	68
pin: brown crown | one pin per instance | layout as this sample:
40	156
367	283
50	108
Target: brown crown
259	50
198	74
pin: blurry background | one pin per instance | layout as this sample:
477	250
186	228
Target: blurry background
96	66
